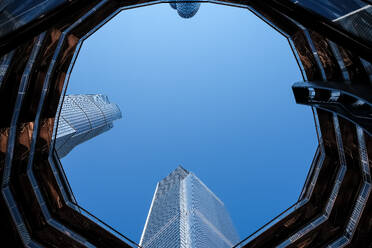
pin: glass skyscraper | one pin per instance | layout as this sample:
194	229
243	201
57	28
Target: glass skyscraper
185	213
82	118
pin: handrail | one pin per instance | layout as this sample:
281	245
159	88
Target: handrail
64	175
312	166
106	225
268	223
86	211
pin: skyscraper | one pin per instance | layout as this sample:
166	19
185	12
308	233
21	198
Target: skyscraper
185	213
82	118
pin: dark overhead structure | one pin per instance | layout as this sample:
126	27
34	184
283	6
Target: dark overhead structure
332	42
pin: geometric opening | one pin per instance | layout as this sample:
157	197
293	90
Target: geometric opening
207	93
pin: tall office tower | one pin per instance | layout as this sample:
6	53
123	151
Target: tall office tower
82	118
185	213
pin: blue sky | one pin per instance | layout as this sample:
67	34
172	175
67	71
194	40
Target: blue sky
211	93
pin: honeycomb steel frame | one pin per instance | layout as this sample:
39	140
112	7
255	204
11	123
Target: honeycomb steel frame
37	205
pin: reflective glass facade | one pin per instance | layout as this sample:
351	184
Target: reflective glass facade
186	213
82	118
